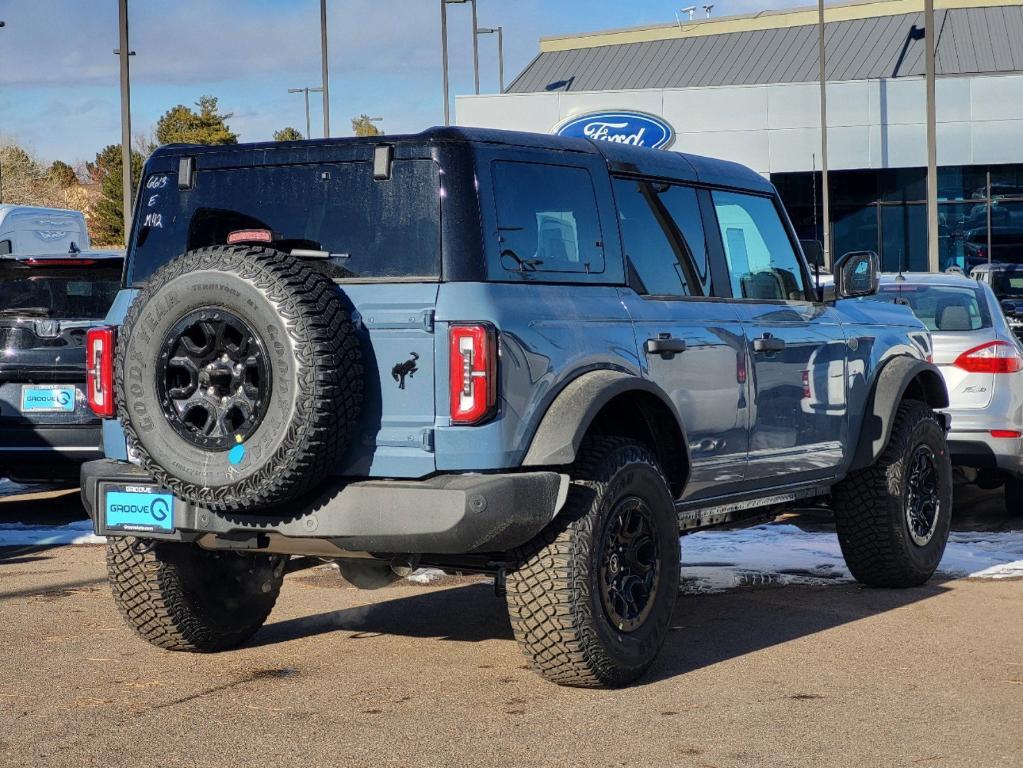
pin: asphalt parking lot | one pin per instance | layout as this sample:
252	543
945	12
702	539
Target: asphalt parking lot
832	674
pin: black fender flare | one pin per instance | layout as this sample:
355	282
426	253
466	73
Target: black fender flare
894	379
563	426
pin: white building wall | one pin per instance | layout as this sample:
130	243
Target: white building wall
776	128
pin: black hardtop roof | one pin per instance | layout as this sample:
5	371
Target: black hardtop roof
620	158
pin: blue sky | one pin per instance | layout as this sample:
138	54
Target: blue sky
59	77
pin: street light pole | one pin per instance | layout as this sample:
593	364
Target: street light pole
444	56
124	52
930	38
825	191
325	79
475	49
444	51
306	91
500	49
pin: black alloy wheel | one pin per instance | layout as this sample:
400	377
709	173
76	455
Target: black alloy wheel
630	564
212	379
923	499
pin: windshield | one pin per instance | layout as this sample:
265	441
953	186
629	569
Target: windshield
80	294
364	227
947	308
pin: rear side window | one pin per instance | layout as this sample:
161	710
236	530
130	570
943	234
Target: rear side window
946	308
547	218
369	228
761	260
663	237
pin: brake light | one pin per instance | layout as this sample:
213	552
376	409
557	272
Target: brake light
1006	433
993	357
473	373
99	370
33	262
250	236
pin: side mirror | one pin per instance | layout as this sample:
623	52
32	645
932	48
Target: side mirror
856	274
1010	308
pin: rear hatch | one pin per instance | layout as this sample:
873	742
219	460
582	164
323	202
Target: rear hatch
378	237
959	320
46	306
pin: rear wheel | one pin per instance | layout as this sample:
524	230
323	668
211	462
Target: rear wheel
183	598
592	599
893	517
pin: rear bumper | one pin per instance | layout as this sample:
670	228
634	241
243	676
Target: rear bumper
446	514
982	451
48	452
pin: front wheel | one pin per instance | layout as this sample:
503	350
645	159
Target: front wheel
893	517
183	598
592	599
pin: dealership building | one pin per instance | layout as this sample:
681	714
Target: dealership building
745	88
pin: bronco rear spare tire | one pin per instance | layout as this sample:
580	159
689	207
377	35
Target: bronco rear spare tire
238	377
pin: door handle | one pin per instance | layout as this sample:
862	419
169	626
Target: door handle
768	343
665	345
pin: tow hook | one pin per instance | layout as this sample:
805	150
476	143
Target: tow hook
143	546
501	582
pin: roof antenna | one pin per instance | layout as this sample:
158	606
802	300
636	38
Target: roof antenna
690	9
707	9
901	278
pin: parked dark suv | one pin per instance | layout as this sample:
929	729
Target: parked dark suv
47	303
523	355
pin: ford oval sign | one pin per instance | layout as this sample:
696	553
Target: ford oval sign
636	128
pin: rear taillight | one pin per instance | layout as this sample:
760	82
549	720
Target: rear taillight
473	373
99	370
1008	434
993	357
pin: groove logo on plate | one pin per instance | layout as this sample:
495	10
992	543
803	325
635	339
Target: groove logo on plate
139	511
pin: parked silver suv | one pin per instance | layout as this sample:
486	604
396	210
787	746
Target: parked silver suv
981	361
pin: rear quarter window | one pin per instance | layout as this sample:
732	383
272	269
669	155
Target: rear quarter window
547	218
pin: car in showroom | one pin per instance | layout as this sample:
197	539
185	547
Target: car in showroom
981	361
535	357
47	304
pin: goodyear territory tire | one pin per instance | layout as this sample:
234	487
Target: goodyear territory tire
893	517
238	377
183	598
592	598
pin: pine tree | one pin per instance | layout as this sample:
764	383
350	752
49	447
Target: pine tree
183	125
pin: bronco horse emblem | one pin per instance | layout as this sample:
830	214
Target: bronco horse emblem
408	368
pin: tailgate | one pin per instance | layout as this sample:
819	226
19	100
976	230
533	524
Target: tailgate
395	326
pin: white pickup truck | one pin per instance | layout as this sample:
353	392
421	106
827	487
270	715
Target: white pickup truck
27	229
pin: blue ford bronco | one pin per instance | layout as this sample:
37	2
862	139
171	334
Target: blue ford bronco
534	357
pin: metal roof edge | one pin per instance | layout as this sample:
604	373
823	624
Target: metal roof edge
762	20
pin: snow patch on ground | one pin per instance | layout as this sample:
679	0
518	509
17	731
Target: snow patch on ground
22	535
713	561
426	575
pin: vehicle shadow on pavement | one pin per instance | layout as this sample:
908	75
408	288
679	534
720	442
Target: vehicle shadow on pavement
707	629
464	614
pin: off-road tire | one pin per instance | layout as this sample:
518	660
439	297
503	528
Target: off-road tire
183	598
315	392
870	506
554	597
1013	490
